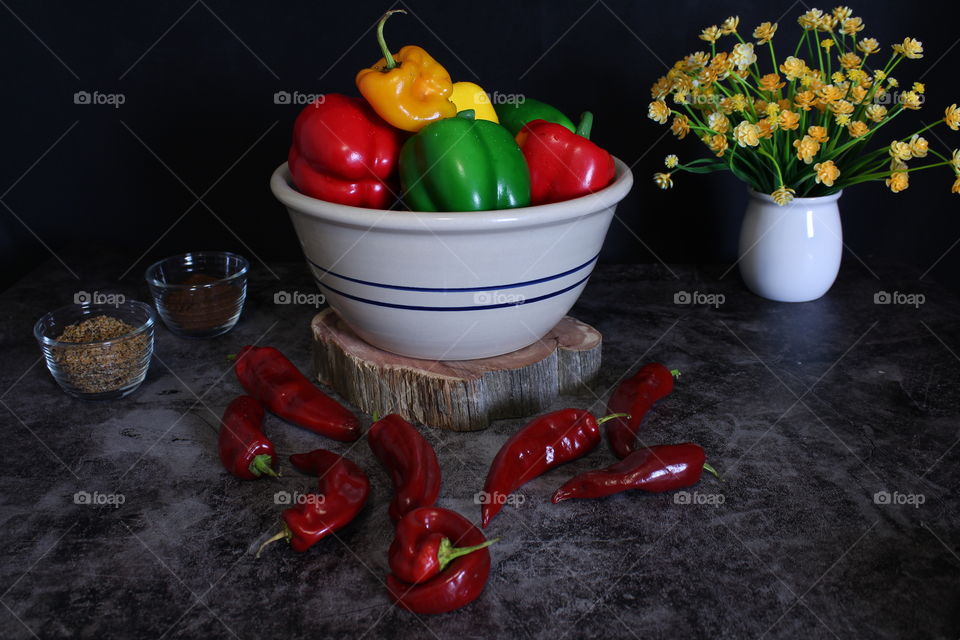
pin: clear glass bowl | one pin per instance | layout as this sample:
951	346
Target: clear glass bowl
200	294
104	369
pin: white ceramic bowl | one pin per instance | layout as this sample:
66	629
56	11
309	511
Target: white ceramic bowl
452	286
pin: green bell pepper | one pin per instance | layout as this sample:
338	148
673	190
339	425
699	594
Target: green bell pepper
463	164
514	116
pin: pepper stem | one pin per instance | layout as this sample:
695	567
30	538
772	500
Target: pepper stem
612	416
708	467
391	63
586	124
447	553
675	373
285	533
262	464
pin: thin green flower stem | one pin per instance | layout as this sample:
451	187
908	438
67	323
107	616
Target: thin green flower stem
776	165
773	57
886	174
820	54
796	51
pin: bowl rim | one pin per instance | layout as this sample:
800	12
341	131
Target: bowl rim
153	282
451	221
146	325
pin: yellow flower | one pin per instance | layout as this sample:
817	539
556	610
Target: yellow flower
952	117
898	181
767	126
783	195
682	96
858	94
658	111
827	173
805	100
859	76
743	55
764	33
730	25
851	26
772	110
900	151
909	48
806	149
831	93
671	161
718	122
818	133
911	100
838	77
842	12
956	160
789	120
680	126
660	88
793	68
842	119
811	19
956	185
880	75
876	112
711	34
771	82
898	165
738	103
747	134
919	87
919	146
858	129
663	180
827	43
892	82
842	106
868	46
717	143
850	60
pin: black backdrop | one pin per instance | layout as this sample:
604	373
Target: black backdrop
199	121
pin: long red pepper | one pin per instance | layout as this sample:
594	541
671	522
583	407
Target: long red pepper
546	442
244	449
411	461
414	555
342	492
273	380
635	396
654	469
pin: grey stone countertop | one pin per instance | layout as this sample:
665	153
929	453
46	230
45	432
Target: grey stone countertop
809	411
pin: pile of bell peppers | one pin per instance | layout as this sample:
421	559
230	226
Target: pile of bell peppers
416	137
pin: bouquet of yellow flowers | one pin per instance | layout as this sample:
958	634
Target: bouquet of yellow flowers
800	132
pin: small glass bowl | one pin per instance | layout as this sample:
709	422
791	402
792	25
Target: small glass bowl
104	369
199	294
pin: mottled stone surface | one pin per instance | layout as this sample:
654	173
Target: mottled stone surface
808	410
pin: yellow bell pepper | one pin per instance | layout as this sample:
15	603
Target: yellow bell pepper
467	95
409	90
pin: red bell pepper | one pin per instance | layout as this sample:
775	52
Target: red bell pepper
548	441
411	461
273	380
653	469
564	165
635	396
344	152
427	579
244	449
342	492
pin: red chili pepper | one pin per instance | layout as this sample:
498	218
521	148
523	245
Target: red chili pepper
273	380
548	441
654	469
411	461
437	584
563	164
635	396
244	450
344	152
343	490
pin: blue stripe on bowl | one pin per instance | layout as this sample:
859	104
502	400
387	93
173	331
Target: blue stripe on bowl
456	289
472	308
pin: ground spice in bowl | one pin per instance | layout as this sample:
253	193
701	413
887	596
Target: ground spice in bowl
208	303
100	368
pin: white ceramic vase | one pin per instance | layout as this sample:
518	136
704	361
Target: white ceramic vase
791	253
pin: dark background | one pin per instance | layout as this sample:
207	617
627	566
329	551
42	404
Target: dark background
199	119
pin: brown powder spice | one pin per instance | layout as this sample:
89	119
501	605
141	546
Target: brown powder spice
98	368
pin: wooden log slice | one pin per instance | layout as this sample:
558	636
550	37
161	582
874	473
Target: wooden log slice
463	395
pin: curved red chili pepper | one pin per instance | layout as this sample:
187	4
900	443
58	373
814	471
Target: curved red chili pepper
342	492
635	396
411	461
546	442
244	449
273	380
454	586
653	469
